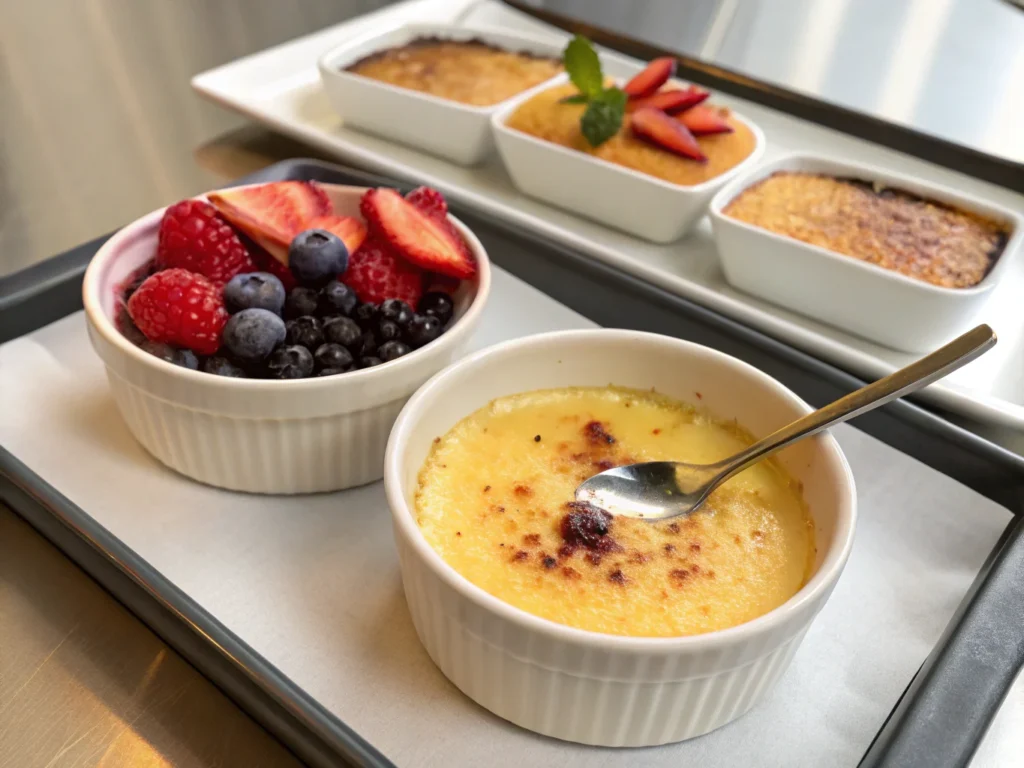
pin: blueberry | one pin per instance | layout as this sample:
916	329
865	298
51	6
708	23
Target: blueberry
365	346
186	358
337	299
317	256
342	330
392	350
304	331
396	311
254	290
252	334
221	366
128	328
292	362
438	304
300	302
422	330
369	361
388	330
365	315
333	356
330	371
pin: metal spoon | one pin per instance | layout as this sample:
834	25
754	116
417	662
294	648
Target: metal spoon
657	490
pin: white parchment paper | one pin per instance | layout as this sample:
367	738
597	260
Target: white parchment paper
312	583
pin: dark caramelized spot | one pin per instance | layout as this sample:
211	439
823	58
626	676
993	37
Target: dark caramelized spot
673	527
638	557
655	431
756	534
694	568
736	539
458	533
596	433
604	465
519	556
437	440
699	395
522	490
679	574
536	438
566	551
695	546
548	561
588	526
531	540
487	488
593	558
617	576
669	549
570	573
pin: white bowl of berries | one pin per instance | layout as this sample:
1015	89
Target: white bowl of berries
264	338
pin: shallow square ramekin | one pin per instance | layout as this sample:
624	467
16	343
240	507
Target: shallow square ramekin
584	686
873	302
260	436
458	132
610	194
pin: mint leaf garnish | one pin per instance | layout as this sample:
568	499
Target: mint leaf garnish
584	68
605	106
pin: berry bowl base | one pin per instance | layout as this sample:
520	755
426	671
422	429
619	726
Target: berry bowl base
253	435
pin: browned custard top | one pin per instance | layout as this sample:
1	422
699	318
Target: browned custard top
469	72
920	238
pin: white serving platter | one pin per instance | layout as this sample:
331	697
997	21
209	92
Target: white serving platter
281	88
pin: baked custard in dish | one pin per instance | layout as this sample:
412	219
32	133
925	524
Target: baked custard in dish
495	500
545	116
469	72
891	228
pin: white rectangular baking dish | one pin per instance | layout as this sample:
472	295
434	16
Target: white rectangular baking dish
871	301
458	132
635	202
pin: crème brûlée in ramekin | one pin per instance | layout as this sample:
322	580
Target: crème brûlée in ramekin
545	117
496	500
470	72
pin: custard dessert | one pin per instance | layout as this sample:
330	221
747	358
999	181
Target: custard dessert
469	72
495	500
547	116
919	238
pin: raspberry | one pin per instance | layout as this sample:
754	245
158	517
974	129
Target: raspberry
429	201
267	263
193	236
376	272
180	308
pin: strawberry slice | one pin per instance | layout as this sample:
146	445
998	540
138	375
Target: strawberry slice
667	132
429	200
672	102
351	231
705	120
272	214
654	75
426	241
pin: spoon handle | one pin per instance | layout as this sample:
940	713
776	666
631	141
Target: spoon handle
958	352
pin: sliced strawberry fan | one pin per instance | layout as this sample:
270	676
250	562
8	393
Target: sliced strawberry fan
667	132
653	76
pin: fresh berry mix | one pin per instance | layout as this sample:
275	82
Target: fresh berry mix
268	282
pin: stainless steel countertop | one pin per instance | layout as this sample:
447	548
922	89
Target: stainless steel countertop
98	125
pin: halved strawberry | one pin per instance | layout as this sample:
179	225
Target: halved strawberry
272	214
352	231
376	272
672	102
654	75
429	242
704	120
667	132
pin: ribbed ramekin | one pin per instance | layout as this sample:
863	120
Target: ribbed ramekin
583	686
303	436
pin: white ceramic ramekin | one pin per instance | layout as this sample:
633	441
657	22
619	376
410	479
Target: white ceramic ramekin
319	434
610	194
584	686
459	132
870	301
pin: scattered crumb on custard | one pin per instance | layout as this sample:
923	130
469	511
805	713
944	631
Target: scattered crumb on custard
749	550
919	238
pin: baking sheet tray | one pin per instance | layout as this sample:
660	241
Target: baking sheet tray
294	605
